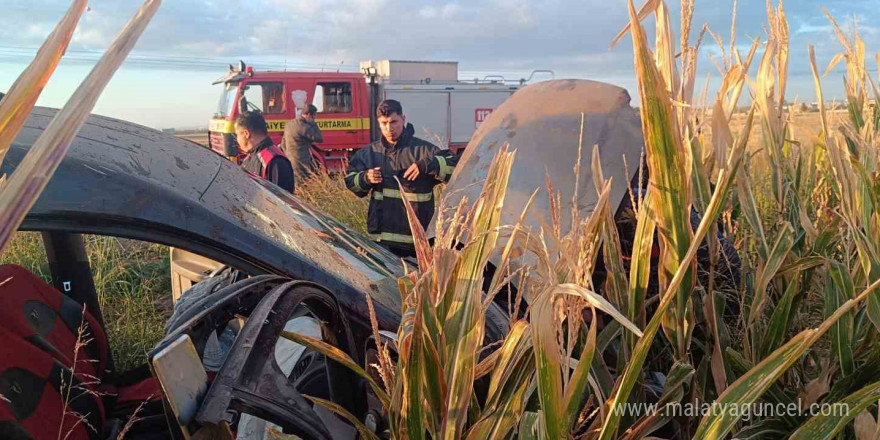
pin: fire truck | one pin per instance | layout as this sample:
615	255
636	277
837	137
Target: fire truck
442	108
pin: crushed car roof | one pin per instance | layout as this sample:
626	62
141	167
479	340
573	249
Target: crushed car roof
123	179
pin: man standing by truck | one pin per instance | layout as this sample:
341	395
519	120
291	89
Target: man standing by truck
262	158
299	135
419	166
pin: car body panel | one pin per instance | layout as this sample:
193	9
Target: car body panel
127	180
542	123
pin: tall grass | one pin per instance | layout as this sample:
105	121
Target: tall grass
328	193
19	191
805	216
133	282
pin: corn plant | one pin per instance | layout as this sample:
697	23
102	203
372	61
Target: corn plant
806	252
20	191
805	216
431	387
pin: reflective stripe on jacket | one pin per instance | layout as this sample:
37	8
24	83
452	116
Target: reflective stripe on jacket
386	220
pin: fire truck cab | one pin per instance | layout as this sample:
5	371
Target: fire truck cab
443	109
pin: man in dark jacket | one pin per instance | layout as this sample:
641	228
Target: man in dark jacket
299	135
262	158
376	168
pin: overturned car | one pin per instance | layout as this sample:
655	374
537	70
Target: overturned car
249	262
252	249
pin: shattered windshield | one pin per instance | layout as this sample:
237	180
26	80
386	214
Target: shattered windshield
352	246
227	100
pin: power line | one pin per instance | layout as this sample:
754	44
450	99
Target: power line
143	60
213	64
24	54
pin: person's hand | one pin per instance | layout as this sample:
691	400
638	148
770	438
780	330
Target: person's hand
412	173
374	176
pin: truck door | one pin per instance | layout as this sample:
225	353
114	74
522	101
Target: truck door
268	97
342	125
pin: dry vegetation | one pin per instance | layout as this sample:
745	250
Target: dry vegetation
801	203
803	206
133	282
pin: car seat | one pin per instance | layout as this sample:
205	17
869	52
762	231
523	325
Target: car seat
53	377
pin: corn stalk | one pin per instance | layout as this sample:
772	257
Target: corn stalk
30	178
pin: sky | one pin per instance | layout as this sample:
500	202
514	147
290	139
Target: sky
166	82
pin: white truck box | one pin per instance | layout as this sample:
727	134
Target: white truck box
447	114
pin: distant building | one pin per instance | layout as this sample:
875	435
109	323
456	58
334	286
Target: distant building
170	131
829	105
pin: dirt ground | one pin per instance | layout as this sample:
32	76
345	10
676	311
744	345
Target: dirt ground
199	138
806	128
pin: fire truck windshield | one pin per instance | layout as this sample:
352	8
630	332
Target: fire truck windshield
227	101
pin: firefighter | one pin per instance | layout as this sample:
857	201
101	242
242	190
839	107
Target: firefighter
262	157
398	155
299	135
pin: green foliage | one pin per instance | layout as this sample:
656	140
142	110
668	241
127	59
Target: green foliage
133	281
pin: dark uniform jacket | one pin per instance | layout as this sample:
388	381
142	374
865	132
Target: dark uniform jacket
268	162
299	135
386	221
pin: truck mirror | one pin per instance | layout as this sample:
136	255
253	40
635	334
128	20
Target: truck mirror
242	104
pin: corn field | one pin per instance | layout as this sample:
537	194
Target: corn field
798	330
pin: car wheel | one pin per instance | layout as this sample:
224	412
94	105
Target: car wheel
307	370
